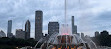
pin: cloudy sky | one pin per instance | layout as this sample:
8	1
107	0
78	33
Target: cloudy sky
90	15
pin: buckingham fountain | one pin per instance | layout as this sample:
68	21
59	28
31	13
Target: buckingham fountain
66	40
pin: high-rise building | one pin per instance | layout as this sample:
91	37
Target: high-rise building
38	25
82	36
20	34
53	27
96	33
2	34
27	29
9	29
74	27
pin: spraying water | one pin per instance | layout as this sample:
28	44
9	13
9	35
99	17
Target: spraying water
65	40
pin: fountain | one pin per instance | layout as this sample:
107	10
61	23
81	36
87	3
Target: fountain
66	40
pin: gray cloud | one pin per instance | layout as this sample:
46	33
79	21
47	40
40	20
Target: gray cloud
89	14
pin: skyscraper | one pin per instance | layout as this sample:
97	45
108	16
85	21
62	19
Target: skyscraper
53	27
74	27
96	33
82	36
9	30
2	34
20	34
38	25
27	29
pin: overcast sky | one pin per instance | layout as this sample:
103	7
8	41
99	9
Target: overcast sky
90	15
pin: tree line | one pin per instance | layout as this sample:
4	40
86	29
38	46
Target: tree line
12	43
104	39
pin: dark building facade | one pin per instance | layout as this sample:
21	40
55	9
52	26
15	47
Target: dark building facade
20	34
27	29
96	33
82	36
74	27
9	29
38	25
2	34
53	27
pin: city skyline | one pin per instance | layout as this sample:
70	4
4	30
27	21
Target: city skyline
83	20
